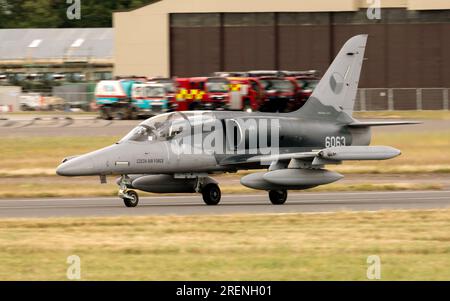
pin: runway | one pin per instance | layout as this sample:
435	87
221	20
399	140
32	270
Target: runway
231	204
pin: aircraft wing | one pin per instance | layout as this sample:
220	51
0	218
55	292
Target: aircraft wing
321	157
283	157
245	159
360	124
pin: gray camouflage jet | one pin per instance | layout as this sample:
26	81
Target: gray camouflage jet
178	152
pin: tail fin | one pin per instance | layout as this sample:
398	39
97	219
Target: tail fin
336	92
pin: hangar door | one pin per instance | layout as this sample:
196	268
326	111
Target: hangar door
202	43
249	41
406	49
195	46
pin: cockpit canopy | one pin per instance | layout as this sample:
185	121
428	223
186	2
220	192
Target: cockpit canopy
168	126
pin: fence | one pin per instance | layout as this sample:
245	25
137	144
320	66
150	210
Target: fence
367	99
384	99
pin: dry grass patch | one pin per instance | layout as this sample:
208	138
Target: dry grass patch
335	246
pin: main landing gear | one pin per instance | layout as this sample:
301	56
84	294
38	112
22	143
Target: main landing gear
278	197
211	194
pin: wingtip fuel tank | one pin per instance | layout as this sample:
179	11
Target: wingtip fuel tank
287	179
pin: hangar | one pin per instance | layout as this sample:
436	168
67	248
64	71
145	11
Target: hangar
408	46
78	54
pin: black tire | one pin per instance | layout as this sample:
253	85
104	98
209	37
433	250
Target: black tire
211	194
120	114
134	114
104	114
247	107
133	201
278	197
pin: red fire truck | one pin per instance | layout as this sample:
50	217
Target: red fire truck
203	93
307	85
246	94
282	94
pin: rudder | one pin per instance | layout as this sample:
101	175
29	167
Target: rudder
336	91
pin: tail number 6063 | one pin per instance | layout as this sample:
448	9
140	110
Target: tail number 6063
334	141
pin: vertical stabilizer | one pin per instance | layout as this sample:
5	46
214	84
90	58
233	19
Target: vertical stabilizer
336	91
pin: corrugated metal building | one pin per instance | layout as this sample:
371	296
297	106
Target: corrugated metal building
84	51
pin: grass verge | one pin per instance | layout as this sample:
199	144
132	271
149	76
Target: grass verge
412	245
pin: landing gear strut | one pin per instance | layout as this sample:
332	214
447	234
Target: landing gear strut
129	197
278	197
211	194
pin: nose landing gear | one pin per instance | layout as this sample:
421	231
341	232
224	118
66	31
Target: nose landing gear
129	197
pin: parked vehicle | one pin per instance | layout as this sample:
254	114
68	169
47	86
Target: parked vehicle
31	102
37	102
150	99
307	85
266	73
307	73
203	93
281	94
171	88
246	94
113	99
230	74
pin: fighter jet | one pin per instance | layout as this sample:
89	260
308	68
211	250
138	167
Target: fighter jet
179	152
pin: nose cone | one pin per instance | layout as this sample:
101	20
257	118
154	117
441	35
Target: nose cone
80	166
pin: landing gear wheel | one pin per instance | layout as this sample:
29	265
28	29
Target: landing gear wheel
120	114
132	200
278	197
211	194
247	107
104	114
134	114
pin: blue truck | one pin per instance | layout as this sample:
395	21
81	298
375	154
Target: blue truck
129	99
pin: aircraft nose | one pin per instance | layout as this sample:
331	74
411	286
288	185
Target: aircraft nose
80	166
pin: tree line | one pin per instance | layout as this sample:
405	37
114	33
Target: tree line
53	13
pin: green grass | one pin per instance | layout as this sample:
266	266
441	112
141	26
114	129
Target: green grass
421	152
30	153
412	245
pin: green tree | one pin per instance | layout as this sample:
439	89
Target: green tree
53	13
